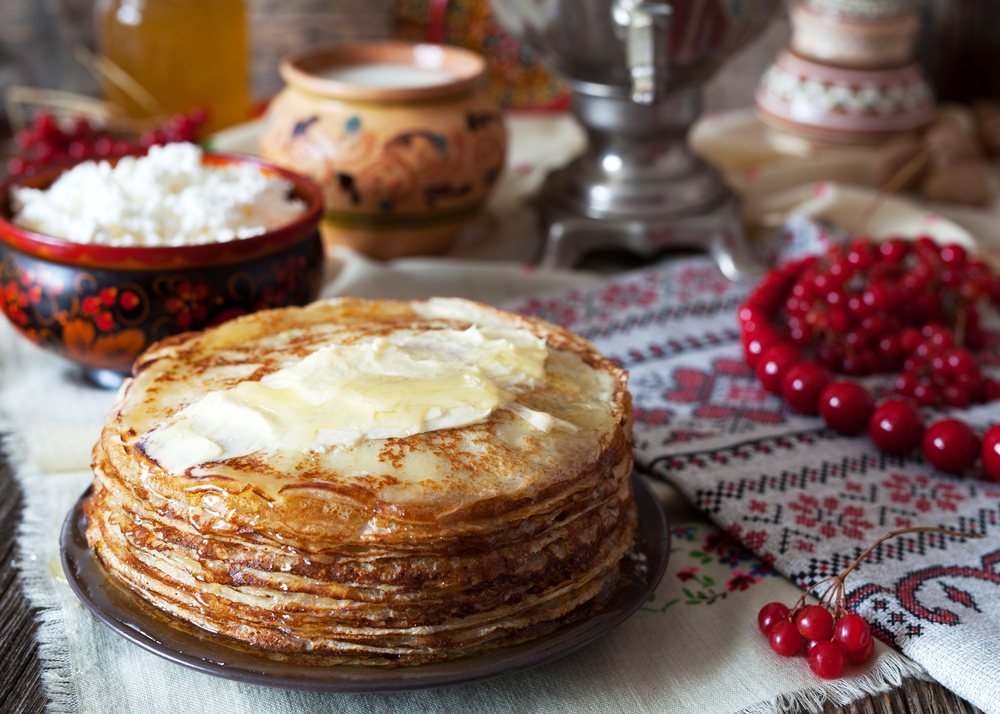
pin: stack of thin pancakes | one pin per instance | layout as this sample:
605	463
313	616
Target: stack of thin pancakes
388	551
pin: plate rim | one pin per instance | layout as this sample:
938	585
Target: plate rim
547	648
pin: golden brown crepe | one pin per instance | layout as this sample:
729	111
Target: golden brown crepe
388	551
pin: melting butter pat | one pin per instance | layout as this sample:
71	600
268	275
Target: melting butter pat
394	386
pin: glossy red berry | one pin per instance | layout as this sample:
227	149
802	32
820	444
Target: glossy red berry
815	623
909	338
770	615
896	426
926	393
846	407
784	638
894	250
953	255
991	452
756	343
802	385
826	660
773	364
950	446
955	395
852	632
959	361
861	656
753	317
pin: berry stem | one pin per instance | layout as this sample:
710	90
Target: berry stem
902	531
833	596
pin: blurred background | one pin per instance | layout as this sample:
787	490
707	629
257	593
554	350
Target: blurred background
37	37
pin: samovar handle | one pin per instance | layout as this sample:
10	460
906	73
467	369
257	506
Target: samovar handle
645	27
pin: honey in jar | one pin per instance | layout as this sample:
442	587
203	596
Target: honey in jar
183	53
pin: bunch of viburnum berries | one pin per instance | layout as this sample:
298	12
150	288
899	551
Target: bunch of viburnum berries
832	635
912	309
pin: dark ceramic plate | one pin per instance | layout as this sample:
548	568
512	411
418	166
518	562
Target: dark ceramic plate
160	634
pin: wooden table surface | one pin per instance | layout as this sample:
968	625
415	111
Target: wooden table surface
20	674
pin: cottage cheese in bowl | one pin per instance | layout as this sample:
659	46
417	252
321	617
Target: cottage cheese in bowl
167	198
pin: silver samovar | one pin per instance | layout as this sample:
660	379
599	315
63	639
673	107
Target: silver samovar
636	68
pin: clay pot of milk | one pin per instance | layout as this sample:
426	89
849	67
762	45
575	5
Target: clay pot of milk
401	138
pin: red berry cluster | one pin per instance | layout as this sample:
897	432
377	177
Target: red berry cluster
869	308
829	644
48	141
832	635
853	304
935	371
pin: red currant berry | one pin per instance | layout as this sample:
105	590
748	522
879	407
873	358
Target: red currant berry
784	638
755	344
16	165
991	390
959	361
950	446
826	660
861	656
858	337
955	395
910	339
926	393
991	452
860	255
951	277
845	407
770	615
938	335
905	384
953	255
800	336
25	138
852	632
856	307
753	317
836	298
878	297
893	251
774	363
44	150
815	623
840	321
802	385
896	426
926	247
78	149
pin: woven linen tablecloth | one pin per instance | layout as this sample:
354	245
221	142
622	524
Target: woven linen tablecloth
803	498
693	648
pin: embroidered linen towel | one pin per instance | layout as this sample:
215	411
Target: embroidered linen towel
805	499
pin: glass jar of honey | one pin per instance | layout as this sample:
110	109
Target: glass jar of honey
182	54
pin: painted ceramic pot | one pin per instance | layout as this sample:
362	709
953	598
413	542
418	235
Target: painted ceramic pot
402	169
827	103
101	306
823	34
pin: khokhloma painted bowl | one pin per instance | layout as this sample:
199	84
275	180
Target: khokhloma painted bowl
101	306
